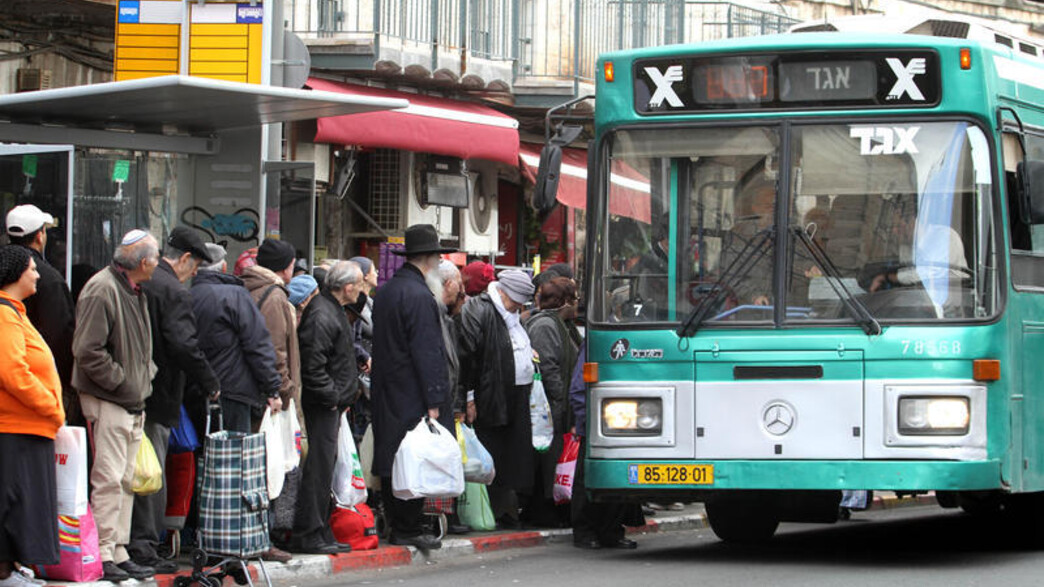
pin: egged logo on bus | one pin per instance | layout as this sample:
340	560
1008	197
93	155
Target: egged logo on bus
904	74
665	86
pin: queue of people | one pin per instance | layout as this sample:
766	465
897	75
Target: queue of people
142	345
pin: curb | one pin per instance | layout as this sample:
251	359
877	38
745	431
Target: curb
310	567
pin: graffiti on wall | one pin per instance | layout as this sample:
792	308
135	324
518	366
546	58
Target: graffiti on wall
242	226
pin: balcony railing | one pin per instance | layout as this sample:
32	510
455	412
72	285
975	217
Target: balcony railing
552	40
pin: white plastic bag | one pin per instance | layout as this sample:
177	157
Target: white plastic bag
274	453
428	463
478	466
540	416
349	487
70	463
286	420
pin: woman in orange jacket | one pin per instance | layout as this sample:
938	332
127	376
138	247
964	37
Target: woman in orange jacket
30	414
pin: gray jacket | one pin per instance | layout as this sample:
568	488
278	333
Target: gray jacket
112	345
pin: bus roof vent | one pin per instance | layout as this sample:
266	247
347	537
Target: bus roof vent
1004	40
949	28
824	27
1028	49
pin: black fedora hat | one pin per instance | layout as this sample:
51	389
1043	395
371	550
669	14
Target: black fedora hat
423	239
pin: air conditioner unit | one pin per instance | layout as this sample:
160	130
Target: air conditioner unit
478	222
418	211
29	80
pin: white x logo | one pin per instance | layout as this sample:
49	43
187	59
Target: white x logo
664	82
904	83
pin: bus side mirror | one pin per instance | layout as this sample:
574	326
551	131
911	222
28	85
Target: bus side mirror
1030	181
546	188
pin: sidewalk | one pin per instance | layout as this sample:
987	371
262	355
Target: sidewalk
306	567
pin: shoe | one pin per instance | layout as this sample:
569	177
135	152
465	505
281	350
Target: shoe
342	547
28	575
113	573
316	546
458	529
17	579
624	543
423	542
158	565
508	523
591	544
647	511
275	555
136	571
676	506
655	506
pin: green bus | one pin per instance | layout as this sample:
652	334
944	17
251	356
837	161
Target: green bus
815	263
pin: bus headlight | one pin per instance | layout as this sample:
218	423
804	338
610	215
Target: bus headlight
627	417
936	415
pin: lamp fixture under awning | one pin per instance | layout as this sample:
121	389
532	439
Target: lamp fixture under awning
427	125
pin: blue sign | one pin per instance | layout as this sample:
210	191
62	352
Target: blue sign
632	474
247	14
129	11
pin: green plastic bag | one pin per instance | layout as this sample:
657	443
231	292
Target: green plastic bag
474	510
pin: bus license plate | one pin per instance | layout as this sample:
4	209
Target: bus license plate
670	474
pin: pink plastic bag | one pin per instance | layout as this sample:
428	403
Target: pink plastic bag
565	471
80	556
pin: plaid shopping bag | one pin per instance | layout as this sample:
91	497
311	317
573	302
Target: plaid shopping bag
233	501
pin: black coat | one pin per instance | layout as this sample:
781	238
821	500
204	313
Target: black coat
175	347
487	362
52	312
329	374
233	336
487	366
409	364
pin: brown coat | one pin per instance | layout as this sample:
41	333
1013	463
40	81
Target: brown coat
281	321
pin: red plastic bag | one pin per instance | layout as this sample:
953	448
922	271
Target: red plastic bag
181	483
80	556
355	526
566	469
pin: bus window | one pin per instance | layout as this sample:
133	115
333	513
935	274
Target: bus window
1027	241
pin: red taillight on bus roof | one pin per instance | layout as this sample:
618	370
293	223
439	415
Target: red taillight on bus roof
965	58
607	70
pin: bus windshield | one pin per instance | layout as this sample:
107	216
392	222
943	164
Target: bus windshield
766	224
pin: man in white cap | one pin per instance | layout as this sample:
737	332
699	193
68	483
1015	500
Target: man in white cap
113	375
51	308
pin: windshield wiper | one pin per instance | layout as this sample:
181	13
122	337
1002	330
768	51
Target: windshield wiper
851	303
737	270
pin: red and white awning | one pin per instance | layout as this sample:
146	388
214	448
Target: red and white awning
428	125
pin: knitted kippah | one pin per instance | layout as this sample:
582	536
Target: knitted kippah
14	260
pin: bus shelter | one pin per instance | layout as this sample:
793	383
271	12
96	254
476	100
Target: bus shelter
159	152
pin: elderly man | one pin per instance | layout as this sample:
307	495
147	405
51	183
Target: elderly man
410	378
113	371
175	350
329	377
51	308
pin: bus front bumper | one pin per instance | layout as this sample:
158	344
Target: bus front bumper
608	477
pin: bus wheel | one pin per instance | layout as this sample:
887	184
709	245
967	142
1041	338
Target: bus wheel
741	519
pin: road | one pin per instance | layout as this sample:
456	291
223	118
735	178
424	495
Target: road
924	546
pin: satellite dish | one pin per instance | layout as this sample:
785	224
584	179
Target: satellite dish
296	61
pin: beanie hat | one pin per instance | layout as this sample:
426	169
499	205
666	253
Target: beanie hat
14	260
477	277
301	287
275	255
364	263
517	285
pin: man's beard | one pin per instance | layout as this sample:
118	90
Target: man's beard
434	283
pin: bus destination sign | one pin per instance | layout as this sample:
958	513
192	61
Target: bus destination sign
837	79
